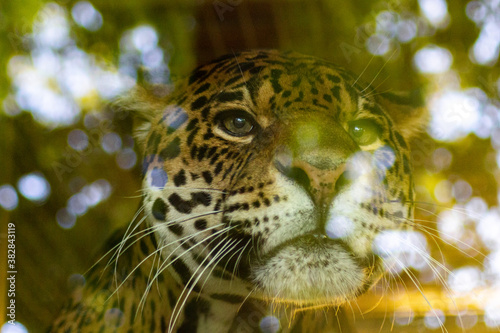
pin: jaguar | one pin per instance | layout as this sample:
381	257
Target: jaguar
267	178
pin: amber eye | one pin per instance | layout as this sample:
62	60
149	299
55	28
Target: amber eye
364	131
237	123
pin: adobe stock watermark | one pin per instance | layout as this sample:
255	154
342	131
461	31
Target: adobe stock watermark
223	6
11	273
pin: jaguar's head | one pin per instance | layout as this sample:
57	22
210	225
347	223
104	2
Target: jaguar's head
273	174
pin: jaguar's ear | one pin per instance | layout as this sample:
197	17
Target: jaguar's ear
144	104
407	111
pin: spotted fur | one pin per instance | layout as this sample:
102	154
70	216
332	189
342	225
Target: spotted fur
267	177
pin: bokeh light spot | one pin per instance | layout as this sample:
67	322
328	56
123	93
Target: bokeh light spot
114	318
96	192
442	191
359	165
78	139
158	178
406	30
76	281
339	227
436	11
126	158
401	249
492	265
152	58
139	49
467	320
383	159
476	11
488	228
51	27
476	208
465	279
8	197
65	219
269	324
387	22
57	79
461	190
485	49
17	328
10	106
442	158
34	187
87	16
378	44
144	38
433	59
492	310
434	319
404	316
454	115
451	225
495	139
111	142
174	117
34	92
77	204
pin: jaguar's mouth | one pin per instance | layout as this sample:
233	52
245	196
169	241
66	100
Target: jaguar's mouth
319	236
311	269
315	240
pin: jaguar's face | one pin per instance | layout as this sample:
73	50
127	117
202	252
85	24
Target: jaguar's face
274	174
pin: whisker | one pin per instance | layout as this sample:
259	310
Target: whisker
215	265
112	249
126	237
178	220
239	67
430	261
172	323
166	263
374	92
366	67
428	229
158	250
380	70
461	210
245	299
417	284
238	262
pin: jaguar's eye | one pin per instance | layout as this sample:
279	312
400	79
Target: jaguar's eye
364	131
237	123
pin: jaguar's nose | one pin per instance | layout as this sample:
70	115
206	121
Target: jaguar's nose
321	178
315	157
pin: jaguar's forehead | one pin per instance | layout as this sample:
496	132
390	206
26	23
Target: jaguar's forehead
280	83
262	62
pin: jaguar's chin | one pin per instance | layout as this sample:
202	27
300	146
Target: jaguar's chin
312	271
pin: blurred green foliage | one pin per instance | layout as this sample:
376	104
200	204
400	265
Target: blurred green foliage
190	33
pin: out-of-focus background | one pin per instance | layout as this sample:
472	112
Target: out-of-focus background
69	171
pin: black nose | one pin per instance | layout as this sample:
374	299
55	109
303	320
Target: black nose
320	183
